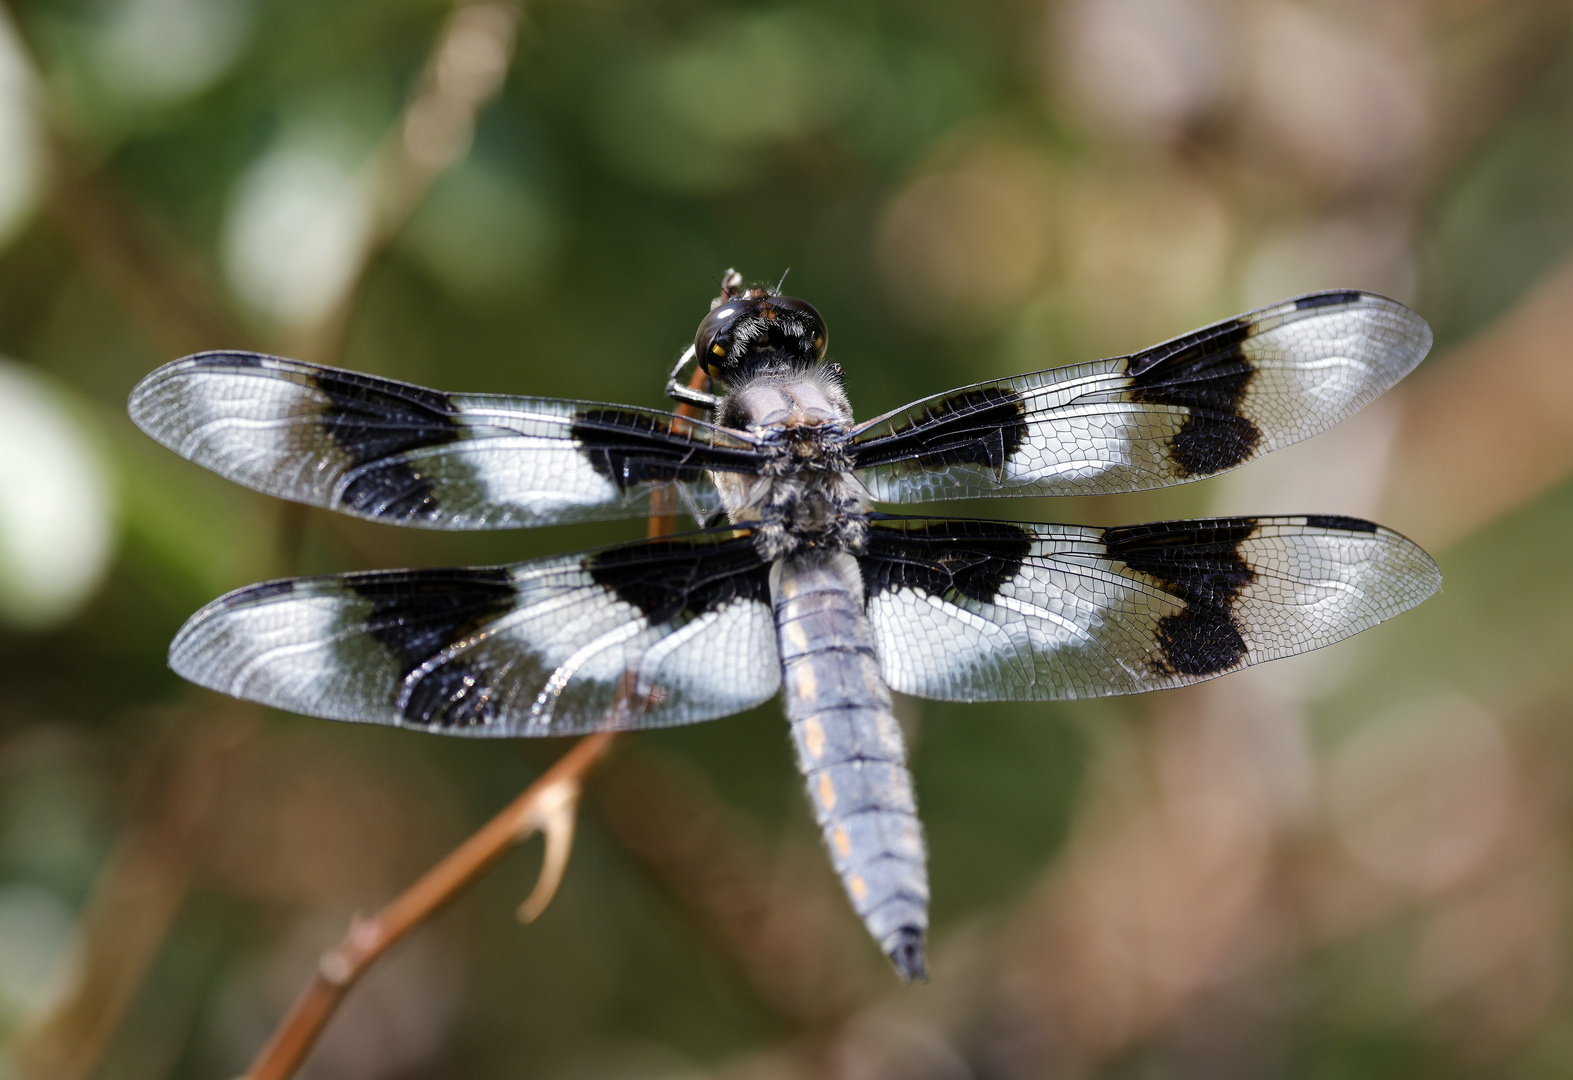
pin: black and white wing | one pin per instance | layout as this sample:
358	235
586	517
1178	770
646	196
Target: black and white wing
989	611
1179	411
642	635
394	452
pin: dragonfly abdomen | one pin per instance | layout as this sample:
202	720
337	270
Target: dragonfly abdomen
850	750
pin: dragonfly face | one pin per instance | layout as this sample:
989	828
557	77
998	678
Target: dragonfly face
755	331
806	590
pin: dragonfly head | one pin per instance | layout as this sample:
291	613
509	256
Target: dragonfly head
756	330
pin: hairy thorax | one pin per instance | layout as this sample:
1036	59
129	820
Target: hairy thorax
809	497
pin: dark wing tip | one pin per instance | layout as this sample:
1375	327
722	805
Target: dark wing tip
1330	297
252	594
1340	521
905	949
226	358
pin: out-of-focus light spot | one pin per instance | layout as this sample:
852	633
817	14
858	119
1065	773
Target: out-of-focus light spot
1353	251
689	118
1348	109
296	232
1419	798
57	519
1497	952
19	141
875	1045
474	59
965	244
49	812
1146	255
1148	67
470	66
35	931
483	233
765	61
157	51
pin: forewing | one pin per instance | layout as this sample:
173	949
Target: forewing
1180	411
642	635
988	611
390	451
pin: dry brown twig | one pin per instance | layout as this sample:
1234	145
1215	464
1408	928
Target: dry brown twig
548	806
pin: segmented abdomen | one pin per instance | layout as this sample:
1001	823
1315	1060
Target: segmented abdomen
850	751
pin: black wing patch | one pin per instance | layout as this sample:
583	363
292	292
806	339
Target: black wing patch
376	420
1200	563
415	615
984	426
631	447
682	576
1206	374
660	632
945	557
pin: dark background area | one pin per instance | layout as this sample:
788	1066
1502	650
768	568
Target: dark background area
1352	864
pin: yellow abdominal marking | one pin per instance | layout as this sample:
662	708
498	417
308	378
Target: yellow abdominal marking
857	887
814	739
842	841
827	792
795	635
804	685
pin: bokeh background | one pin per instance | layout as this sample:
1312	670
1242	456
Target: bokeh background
1355	864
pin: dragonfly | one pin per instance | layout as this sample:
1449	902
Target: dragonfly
794	582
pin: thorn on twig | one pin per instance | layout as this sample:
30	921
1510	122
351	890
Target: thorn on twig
554	815
548	805
336	968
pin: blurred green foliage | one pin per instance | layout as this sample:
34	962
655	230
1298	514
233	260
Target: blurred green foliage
961	199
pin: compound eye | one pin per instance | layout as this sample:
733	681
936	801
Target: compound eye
819	338
713	342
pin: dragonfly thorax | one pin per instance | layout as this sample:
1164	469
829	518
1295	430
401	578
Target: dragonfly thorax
809	497
784	401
